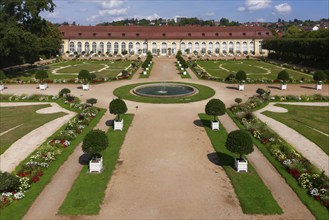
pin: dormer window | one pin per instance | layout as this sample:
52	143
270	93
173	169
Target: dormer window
203	34
63	33
123	34
244	34
217	34
109	34
80	34
259	33
163	34
137	34
94	34
189	34
230	34
267	33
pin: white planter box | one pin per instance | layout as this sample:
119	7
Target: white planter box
181	68
43	86
180	65
144	72
241	166
184	73
147	68
85	87
241	87
317	87
149	65
214	125
118	125
178	62
283	86
2	87
96	165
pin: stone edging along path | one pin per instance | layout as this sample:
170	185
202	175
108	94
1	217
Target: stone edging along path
303	145
23	147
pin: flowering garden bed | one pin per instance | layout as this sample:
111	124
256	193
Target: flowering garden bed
36	171
309	183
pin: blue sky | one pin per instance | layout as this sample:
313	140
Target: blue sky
90	12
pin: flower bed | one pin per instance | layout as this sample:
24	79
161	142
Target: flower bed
307	175
32	169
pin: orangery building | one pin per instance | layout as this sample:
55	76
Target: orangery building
164	40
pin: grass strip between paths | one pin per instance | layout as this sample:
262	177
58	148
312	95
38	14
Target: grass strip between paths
17	210
249	188
88	190
318	210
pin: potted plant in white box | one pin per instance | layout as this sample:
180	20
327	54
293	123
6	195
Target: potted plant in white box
240	142
117	107
284	77
2	77
93	143
41	75
241	77
215	107
319	77
85	77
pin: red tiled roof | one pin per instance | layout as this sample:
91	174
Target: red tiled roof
163	32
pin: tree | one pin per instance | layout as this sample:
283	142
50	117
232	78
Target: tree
117	107
92	101
95	142
84	75
215	107
41	75
238	100
260	91
239	142
319	76
64	91
283	76
8	182
92	76
241	76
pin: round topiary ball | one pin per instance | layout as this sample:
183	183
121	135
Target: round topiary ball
283	75
319	76
41	75
8	182
95	142
84	75
64	91
241	76
239	142
215	107
118	107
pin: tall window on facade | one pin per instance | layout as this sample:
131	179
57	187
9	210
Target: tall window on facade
123	47
260	46
238	47
217	46
251	47
224	47
72	49
101	47
108	48
94	47
79	47
196	47
189	47
138	47
87	48
116	48
144	48
173	48
210	47
154	48
203	48
230	47
130	47
182	47
244	47
164	48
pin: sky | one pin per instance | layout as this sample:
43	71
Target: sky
91	12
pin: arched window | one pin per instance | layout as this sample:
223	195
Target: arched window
203	47
116	48
154	48
260	46
72	49
109	47
196	47
182	47
238	47
244	47
79	48
138	47
94	47
173	48
251	47
123	47
210	47
101	47
217	46
130	47
87	48
189	47
230	47
164	48
224	47
144	48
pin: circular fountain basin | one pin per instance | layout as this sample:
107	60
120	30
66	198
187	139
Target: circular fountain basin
165	90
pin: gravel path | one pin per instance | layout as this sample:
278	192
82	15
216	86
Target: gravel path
303	145
24	146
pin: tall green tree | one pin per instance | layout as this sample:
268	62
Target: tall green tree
24	34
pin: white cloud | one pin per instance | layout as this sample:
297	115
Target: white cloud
210	13
109	9
111	4
54	15
261	20
149	17
83	10
113	12
254	5
283	9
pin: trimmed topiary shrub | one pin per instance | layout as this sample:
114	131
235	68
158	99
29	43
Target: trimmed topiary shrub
92	101
8	182
283	76
260	91
84	75
319	76
238	100
95	142
118	107
64	91
239	142
215	107
41	75
241	76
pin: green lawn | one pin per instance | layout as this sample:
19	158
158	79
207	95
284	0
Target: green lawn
93	186
310	121
25	119
204	93
248	187
254	69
